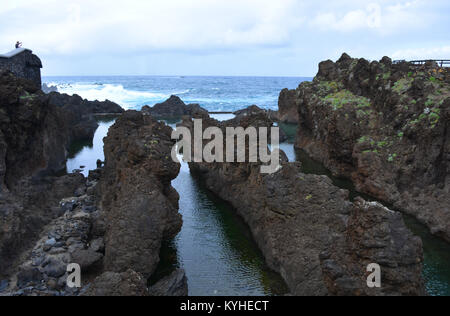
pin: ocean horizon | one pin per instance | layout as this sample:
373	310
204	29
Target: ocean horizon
214	93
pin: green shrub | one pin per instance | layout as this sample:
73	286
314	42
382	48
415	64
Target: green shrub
344	97
402	85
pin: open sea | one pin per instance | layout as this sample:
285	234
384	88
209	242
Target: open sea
215	94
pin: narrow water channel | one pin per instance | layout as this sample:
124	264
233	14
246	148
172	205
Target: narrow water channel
83	156
216	248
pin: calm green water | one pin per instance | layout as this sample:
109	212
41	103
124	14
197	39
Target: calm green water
216	247
437	259
84	155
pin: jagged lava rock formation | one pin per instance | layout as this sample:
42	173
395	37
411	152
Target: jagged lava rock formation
80	113
386	127
287	108
34	138
37	129
140	205
113	224
35	135
309	231
174	108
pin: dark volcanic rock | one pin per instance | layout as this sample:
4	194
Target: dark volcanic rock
251	110
69	238
174	108
374	235
79	113
386	127
140	205
311	233
128	283
86	258
33	141
27	276
173	285
287	107
77	104
255	116
60	215
35	134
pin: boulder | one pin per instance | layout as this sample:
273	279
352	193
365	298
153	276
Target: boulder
128	283
172	285
86	258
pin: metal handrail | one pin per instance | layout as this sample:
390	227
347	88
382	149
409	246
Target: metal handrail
440	62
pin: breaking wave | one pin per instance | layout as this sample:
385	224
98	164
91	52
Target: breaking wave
128	99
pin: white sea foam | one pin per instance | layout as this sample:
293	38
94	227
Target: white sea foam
128	99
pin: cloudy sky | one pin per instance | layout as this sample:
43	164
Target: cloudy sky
220	37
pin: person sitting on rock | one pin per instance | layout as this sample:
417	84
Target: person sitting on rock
18	44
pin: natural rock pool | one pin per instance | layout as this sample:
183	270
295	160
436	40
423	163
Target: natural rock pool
216	248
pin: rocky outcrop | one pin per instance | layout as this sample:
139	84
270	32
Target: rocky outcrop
251	110
255	116
256	110
172	285
80	113
23	64
37	129
75	103
140	205
128	283
35	135
386	127
81	234
287	107
374	234
48	221
174	108
309	231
